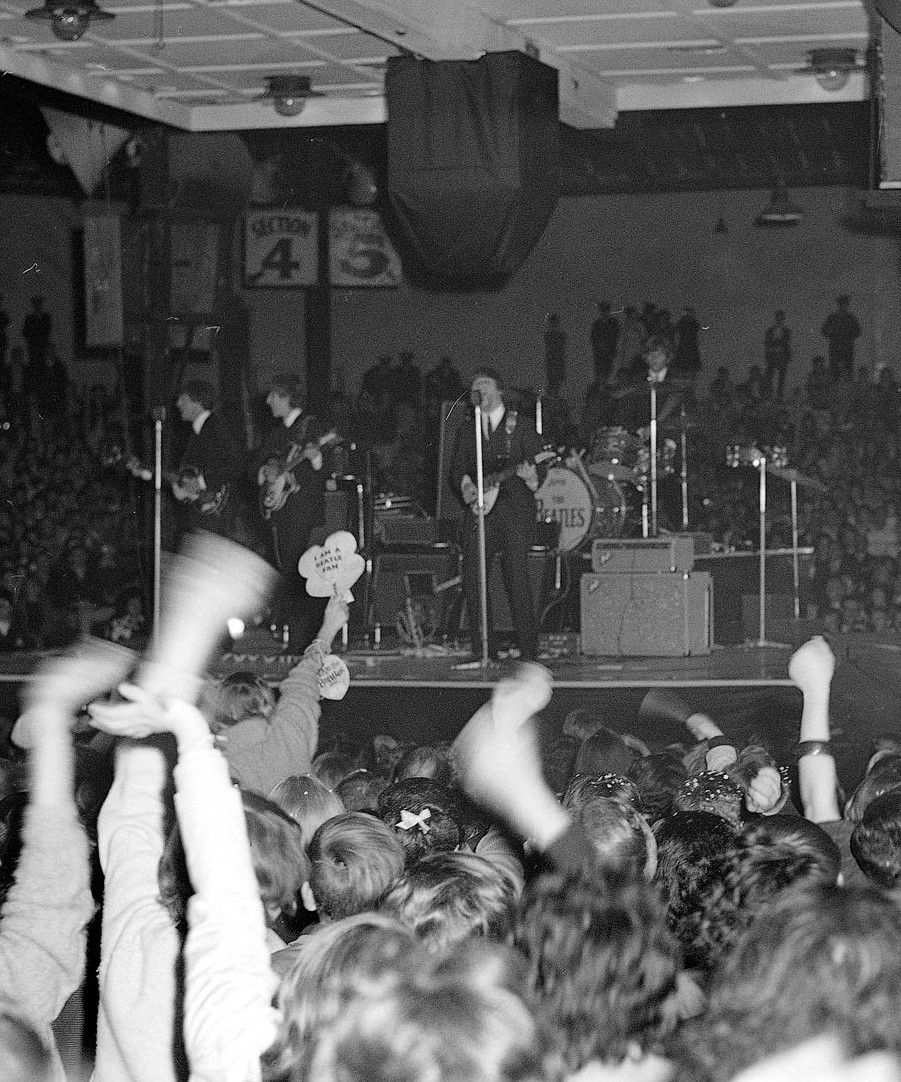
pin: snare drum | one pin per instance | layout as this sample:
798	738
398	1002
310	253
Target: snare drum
584	511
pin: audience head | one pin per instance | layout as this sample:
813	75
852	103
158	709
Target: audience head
658	777
360	790
819	959
239	696
445	897
426	815
307	801
876	840
332	767
354	858
882	776
807	839
711	791
424	761
603	752
276	848
452	1018
602	963
686	844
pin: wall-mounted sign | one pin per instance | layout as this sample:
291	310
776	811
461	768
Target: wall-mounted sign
360	253
281	249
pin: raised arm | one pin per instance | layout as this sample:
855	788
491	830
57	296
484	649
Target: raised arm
811	669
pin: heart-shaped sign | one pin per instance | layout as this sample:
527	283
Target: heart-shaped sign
334	678
332	568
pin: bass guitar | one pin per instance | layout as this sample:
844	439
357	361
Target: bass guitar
276	478
494	480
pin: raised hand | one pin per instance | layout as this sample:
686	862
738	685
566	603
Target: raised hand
764	791
812	665
144	714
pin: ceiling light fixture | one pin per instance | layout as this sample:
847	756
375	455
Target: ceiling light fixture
68	19
832	67
780	211
722	3
289	93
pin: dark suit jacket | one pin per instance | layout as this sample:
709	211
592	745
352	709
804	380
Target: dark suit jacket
513	441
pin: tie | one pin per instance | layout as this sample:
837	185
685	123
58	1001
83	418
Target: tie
486	426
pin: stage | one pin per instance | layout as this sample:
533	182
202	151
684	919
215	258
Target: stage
425	697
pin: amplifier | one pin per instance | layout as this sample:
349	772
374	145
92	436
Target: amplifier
620	556
646	615
405	530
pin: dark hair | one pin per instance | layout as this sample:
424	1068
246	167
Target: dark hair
585	788
711	791
603	752
424	761
882	777
657	778
445	897
602	962
354	858
805	838
200	391
818	959
332	767
876	840
686	844
426	815
289	385
360	790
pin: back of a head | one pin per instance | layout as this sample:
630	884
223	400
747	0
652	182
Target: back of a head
426	815
354	858
307	801
807	839
876	840
603	752
657	778
239	696
602	962
820	959
278	853
332	767
686	843
360	791
439	1019
619	835
883	777
23	1055
424	761
446	897
711	791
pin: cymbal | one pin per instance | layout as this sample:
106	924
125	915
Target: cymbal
786	473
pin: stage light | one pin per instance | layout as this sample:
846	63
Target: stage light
68	19
289	93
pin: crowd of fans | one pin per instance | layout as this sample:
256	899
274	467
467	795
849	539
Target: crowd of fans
507	908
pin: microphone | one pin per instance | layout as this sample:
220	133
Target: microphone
475	398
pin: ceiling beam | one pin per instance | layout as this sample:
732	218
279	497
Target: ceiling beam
452	30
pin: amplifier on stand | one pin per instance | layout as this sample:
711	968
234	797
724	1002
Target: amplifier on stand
646	615
615	555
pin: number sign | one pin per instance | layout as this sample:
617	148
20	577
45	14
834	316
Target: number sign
360	253
281	249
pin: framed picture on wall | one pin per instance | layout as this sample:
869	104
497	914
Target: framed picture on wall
281	248
360	251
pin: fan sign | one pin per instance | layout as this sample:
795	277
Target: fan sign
334	677
332	568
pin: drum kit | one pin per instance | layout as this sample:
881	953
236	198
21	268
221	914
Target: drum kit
608	491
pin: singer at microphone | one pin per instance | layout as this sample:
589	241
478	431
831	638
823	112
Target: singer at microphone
510	444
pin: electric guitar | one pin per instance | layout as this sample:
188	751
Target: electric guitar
188	486
494	480
276	478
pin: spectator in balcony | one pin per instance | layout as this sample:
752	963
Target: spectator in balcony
777	350
841	329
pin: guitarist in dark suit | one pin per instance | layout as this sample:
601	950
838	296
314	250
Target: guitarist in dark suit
304	507
509	444
211	453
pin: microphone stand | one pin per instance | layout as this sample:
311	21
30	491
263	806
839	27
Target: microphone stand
159	416
683	475
480	527
654	457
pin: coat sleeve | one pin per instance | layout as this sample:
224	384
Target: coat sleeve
229	1017
43	921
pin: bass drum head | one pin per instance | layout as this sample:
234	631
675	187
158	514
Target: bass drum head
584	511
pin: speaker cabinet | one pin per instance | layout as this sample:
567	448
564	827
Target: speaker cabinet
420	573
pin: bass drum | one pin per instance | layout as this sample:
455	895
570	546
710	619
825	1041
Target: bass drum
584	511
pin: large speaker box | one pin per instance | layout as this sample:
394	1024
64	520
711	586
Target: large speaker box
394	573
646	615
473	163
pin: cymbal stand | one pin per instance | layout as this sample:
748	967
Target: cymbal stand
761	463
654	457
159	416
683	476
796	578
